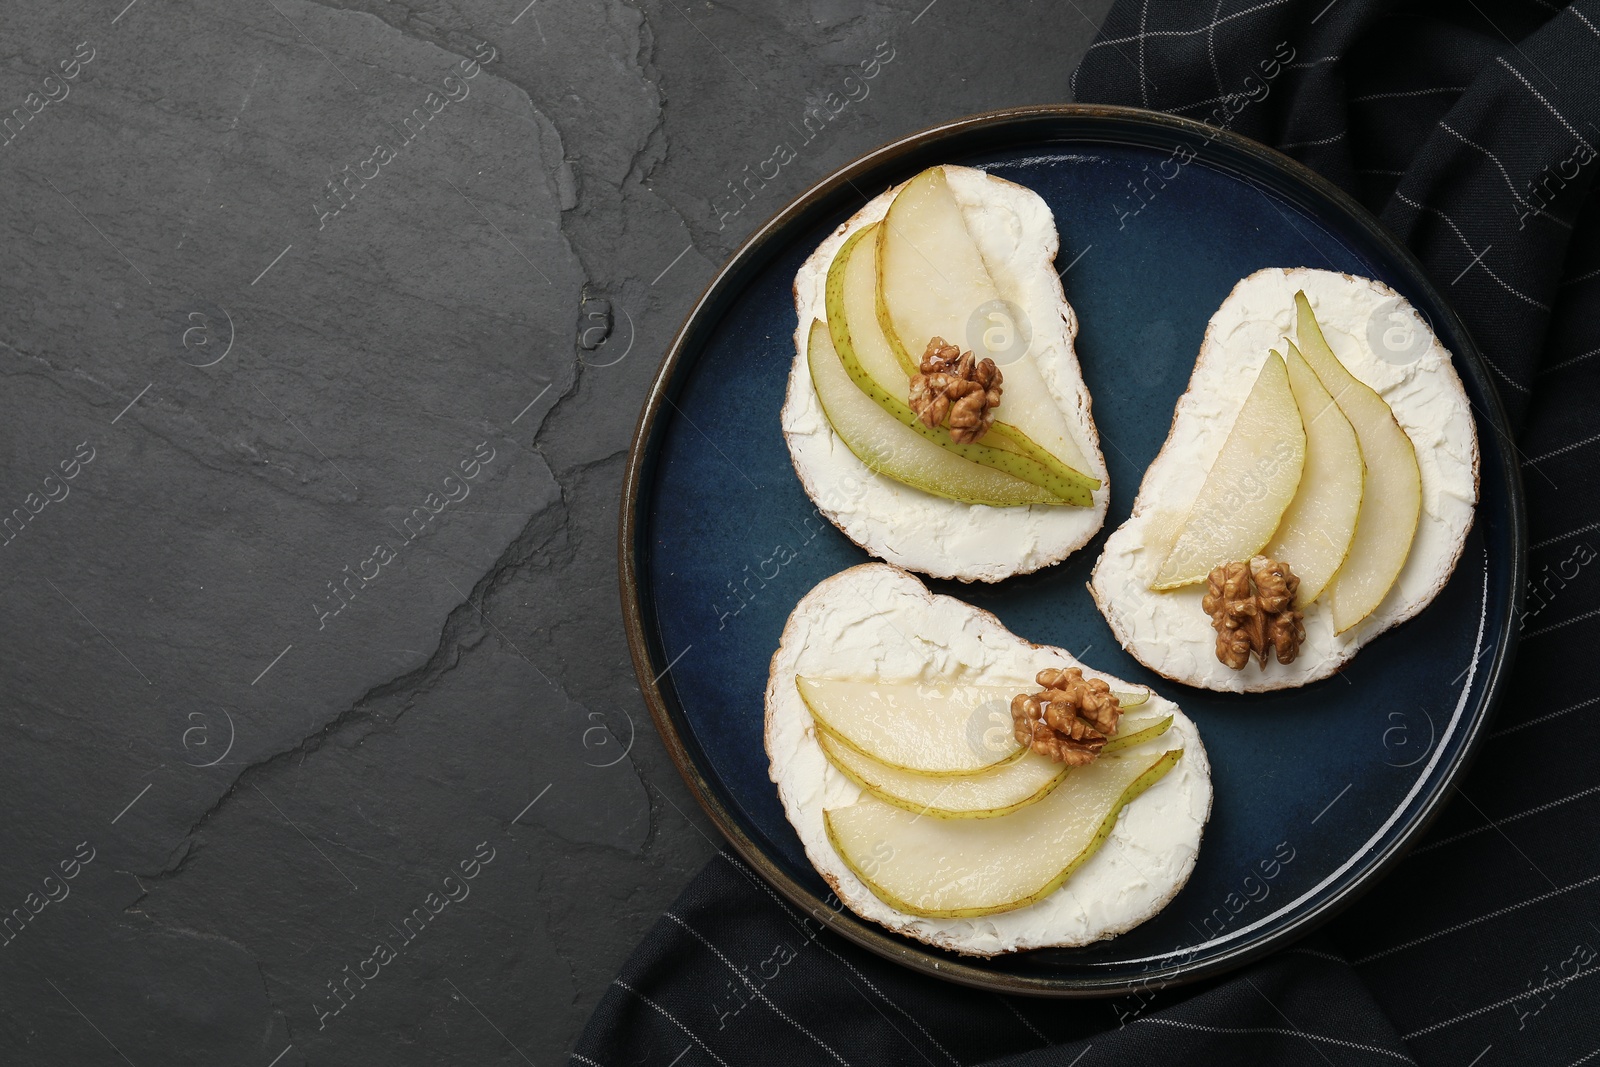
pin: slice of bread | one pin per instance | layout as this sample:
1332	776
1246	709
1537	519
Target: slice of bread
1169	632
1016	235
877	622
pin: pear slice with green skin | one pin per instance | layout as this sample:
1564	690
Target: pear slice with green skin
1249	486
1320	524
1391	503
932	281
929	729
965	868
1136	731
851	296
939	729
997	791
986	795
888	448
867	358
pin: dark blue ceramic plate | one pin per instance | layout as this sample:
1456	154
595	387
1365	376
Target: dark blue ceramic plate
1318	790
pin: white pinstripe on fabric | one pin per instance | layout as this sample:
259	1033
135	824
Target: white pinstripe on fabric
1570	128
847	964
1548	541
1541	631
1012	1008
1497	913
1317	954
1312	144
779	1012
672	1018
1160	1021
1569	362
1475	1012
1211	45
1403	198
1226	98
1188	33
1408	92
1545	718
1585	276
1563	450
1144	83
1504	173
1430	846
1581	1060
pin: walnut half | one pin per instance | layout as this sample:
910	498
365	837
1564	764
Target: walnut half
955	390
1252	609
1069	721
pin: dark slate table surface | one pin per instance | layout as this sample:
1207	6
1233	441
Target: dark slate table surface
310	302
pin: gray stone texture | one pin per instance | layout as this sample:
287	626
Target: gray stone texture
322	290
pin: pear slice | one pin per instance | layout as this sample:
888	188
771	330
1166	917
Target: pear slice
851	296
1136	730
1249	486
932	282
871	365
888	447
964	868
852	303
929	729
1391	501
997	791
938	729
1316	531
